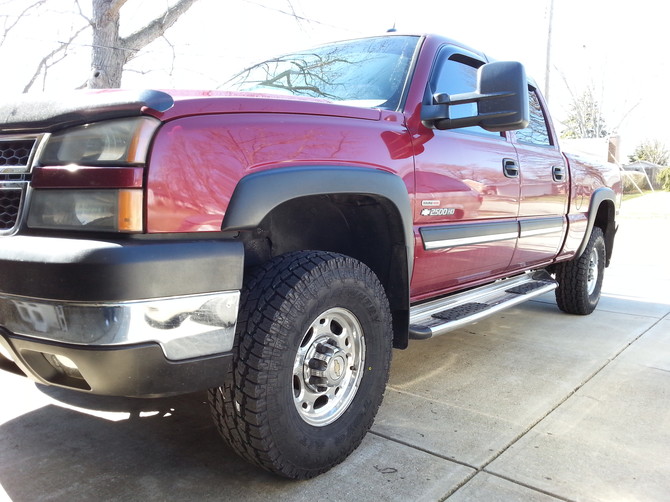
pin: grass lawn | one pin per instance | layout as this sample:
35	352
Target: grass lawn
635	195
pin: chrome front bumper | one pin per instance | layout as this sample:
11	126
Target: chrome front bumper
136	316
149	348
184	327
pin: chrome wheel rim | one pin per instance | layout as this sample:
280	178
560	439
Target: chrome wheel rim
328	367
592	274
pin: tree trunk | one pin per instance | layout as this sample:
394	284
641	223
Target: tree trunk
111	52
109	56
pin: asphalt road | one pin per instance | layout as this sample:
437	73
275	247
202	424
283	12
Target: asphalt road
531	404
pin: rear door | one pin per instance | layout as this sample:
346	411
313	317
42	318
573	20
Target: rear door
544	189
467	191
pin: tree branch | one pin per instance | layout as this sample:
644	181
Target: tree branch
625	115
174	55
81	13
156	28
48	60
294	13
115	6
18	18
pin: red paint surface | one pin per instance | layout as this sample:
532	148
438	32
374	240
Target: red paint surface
210	140
197	161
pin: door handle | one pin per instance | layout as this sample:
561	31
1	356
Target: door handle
510	169
558	173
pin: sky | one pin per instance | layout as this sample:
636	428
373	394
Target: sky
617	48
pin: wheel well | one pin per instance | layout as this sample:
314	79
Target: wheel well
365	227
605	219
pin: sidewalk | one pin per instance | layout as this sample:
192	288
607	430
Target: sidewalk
531	405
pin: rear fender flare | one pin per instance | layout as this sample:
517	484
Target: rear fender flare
598	197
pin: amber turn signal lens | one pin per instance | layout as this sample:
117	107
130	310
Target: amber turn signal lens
130	211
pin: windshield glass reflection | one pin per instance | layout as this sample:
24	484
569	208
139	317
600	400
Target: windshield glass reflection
369	72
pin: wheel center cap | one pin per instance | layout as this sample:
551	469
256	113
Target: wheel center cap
336	367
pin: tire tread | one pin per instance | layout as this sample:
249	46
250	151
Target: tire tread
267	290
572	277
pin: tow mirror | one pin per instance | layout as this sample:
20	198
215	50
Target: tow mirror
501	98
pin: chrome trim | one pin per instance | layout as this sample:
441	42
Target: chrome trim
543	225
540	231
448	236
468	241
184	326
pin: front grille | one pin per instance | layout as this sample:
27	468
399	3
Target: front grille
10	201
15	153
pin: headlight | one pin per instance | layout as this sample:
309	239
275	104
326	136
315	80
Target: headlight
93	155
113	142
95	210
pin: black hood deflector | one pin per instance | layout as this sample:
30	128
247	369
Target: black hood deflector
49	112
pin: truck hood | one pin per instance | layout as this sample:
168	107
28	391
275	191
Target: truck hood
207	102
49	112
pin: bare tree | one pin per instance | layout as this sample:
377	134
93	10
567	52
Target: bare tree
654	151
100	20
111	52
585	118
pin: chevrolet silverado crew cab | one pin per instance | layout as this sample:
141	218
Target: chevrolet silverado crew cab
272	242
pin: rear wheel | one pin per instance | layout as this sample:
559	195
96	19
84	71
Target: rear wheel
312	356
580	281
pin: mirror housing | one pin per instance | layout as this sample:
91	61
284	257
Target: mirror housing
501	98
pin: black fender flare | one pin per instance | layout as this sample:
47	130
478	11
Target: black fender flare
257	194
599	196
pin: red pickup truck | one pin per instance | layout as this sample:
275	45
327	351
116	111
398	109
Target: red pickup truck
273	241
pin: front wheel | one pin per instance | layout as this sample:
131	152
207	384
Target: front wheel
580	281
312	356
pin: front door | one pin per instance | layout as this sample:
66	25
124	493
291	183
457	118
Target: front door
467	193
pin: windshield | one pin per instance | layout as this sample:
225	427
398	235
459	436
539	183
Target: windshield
369	72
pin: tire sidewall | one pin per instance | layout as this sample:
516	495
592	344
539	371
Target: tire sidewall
596	243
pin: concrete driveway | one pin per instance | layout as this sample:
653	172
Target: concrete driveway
531	405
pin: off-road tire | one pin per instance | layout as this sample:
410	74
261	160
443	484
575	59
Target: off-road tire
580	280
285	305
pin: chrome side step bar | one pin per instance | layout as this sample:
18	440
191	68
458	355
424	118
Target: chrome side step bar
452	312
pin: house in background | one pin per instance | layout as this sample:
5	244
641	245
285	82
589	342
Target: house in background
648	168
608	149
